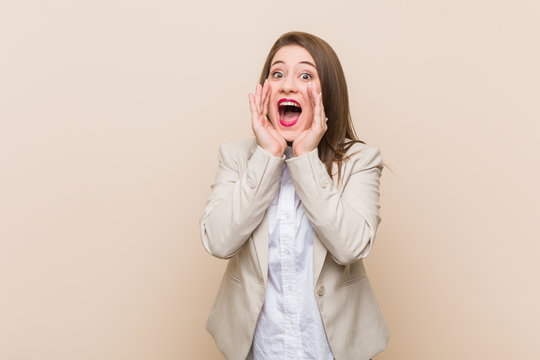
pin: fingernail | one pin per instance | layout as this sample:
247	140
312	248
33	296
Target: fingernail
265	80
310	83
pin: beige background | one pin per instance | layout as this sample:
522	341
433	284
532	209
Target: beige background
111	117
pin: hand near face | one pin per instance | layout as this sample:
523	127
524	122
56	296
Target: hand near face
267	136
309	139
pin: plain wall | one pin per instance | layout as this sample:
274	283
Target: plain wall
112	113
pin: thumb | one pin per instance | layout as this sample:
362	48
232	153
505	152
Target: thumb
301	137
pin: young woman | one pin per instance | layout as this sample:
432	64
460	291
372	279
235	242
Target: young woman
295	209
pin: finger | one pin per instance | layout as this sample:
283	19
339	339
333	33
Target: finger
311	93
263	96
316	95
317	112
323	111
299	139
259	97
264	91
253	108
323	114
256	98
316	107
266	101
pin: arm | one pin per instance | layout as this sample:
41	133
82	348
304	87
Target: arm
238	200
346	224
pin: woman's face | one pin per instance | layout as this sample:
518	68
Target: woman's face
290	107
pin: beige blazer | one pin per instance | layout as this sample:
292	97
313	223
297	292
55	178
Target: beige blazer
345	217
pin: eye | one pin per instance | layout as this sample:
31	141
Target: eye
277	74
306	76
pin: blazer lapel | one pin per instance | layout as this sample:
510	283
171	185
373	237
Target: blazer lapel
260	238
260	234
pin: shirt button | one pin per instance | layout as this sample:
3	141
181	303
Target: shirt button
324	183
320	290
251	182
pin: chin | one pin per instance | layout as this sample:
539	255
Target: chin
289	136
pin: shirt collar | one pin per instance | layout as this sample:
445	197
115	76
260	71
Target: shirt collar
289	152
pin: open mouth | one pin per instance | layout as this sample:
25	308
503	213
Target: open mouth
289	111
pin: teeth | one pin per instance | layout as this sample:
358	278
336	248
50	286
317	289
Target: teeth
289	103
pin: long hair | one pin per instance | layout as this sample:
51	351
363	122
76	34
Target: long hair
332	147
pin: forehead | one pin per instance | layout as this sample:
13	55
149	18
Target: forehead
292	55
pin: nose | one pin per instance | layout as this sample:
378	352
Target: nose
289	85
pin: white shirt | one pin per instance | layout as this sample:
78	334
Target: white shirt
289	326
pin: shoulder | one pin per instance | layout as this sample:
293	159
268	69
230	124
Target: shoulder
246	146
237	151
364	155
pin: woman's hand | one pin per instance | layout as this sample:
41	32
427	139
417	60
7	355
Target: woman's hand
309	139
267	136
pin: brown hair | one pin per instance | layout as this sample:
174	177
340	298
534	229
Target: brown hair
332	147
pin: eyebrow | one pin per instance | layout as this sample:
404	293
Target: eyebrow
301	62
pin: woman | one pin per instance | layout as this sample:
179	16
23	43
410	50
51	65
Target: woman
295	209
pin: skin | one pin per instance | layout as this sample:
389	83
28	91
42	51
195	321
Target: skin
292	77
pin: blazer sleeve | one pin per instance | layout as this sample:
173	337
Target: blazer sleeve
345	223
239	198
